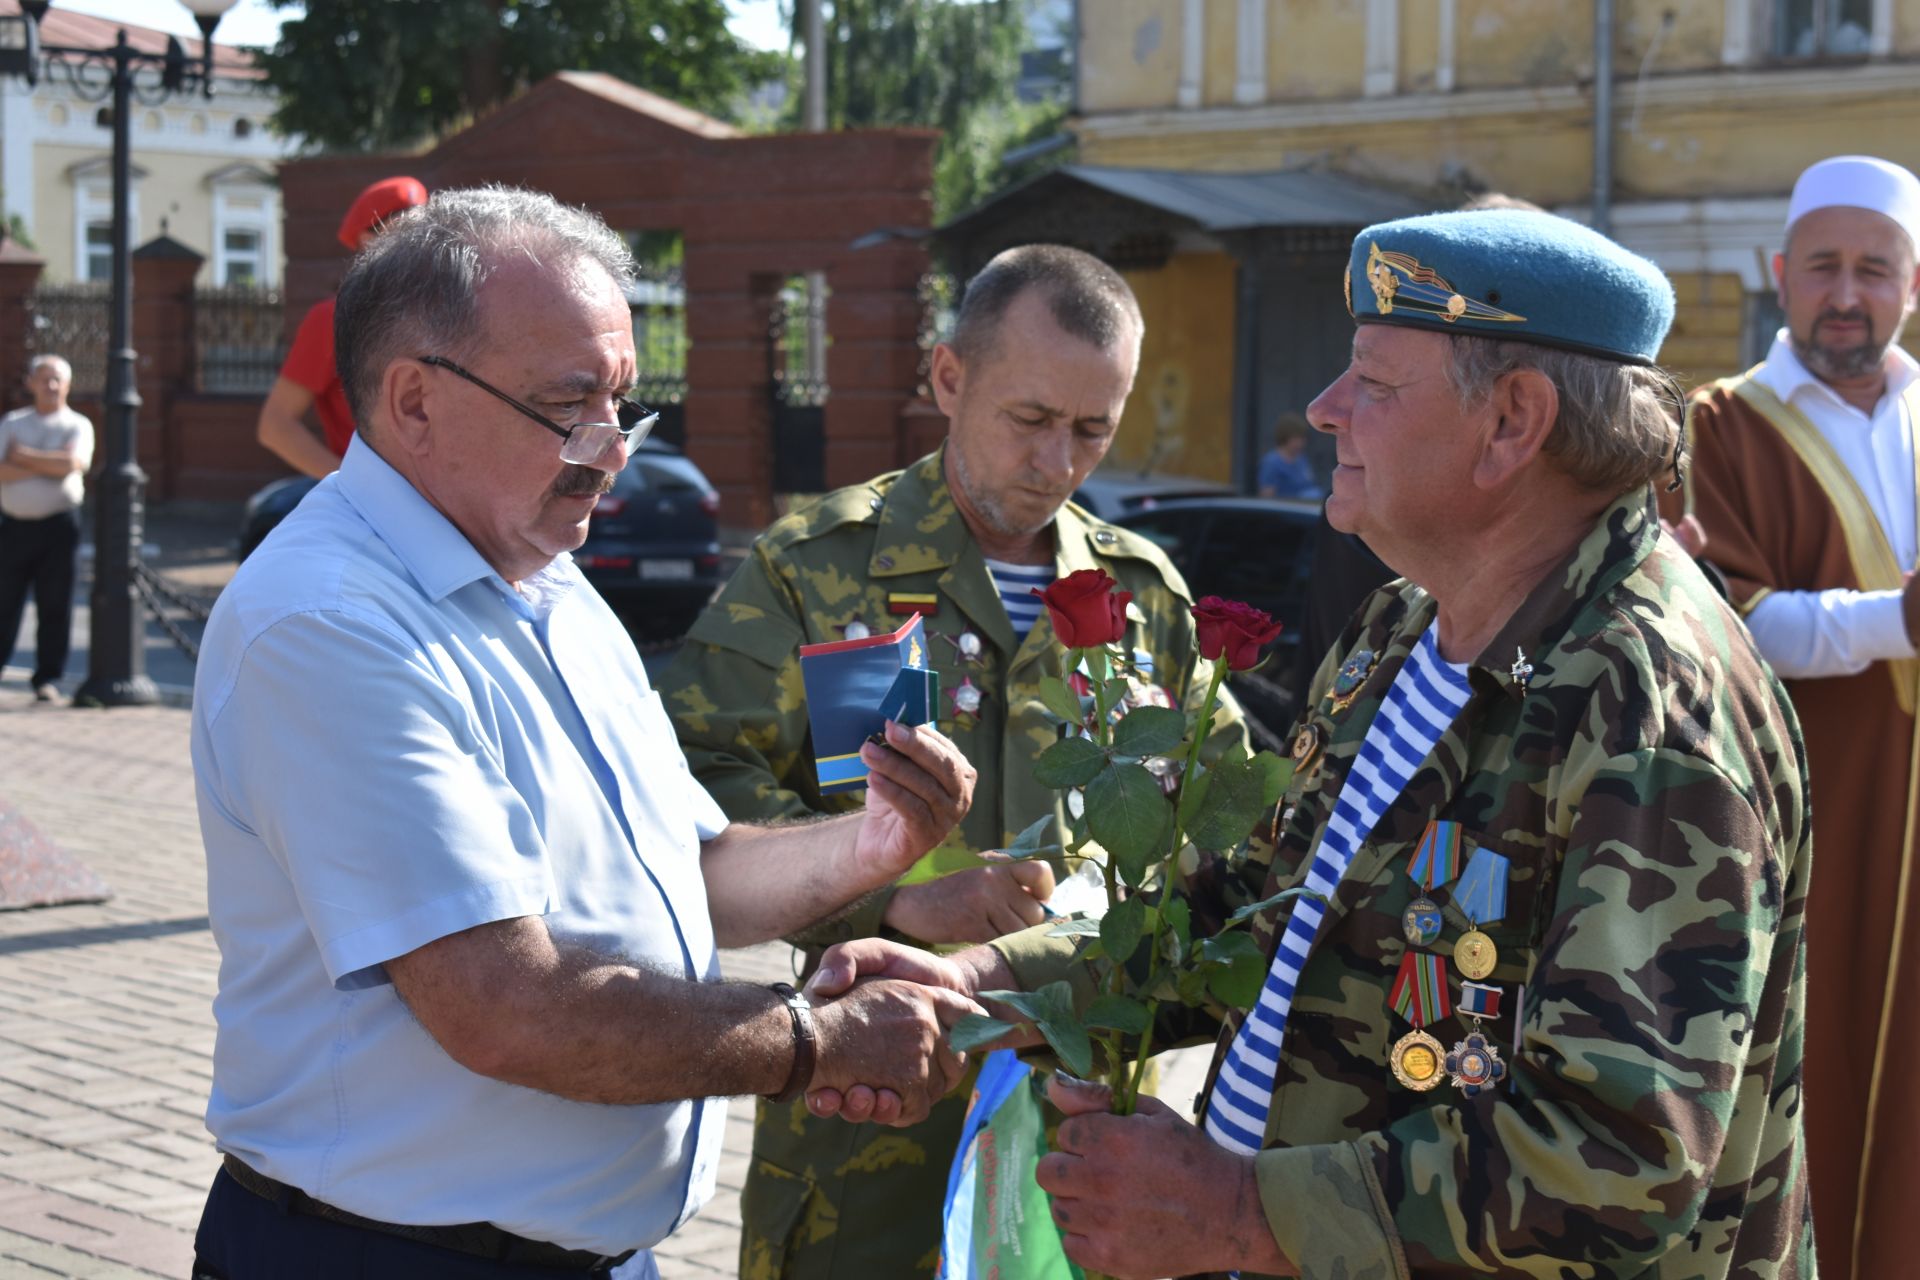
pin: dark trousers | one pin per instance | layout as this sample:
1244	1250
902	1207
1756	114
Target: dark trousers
245	1237
37	556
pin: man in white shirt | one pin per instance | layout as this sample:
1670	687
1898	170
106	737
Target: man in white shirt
45	451
1803	479
466	893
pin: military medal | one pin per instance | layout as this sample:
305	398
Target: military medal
1421	922
1436	860
966	698
1306	748
1482	896
853	629
1352	675
1475	1065
968	647
1416	1060
1420	996
1475	954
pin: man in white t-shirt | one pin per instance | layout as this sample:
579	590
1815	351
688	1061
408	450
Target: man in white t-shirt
45	451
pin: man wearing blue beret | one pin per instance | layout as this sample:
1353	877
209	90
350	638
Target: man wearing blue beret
1803	479
1540	1012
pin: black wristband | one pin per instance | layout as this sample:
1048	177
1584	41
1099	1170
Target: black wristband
803	1042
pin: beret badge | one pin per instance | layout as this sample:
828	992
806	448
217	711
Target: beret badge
1399	280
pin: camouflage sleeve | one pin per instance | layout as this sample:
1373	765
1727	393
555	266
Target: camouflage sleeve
740	711
1637	1041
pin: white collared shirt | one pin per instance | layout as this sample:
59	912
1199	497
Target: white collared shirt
1838	632
391	745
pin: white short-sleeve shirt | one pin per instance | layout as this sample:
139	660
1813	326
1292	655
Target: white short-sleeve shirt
390	745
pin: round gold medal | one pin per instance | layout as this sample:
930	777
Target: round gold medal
1416	1060
1475	954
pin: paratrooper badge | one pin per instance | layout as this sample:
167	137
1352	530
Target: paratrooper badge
1352	675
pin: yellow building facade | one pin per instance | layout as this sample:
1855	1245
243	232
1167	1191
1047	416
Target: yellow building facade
1717	105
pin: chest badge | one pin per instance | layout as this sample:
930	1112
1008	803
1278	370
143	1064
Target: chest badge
1475	1065
1353	674
1306	748
1521	670
967	698
853	629
968	648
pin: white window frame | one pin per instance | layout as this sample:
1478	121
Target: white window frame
93	202
250	184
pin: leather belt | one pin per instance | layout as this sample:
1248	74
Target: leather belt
477	1239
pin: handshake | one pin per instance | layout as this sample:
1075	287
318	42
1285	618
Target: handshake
881	1015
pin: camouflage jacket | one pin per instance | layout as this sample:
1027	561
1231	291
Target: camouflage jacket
1648	785
739	706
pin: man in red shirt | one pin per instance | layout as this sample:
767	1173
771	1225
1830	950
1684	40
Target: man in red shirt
307	379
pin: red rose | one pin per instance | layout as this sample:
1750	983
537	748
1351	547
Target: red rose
1234	629
1085	608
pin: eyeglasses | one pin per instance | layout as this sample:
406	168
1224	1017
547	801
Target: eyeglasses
584	443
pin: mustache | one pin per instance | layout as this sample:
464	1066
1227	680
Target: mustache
582	482
1857	316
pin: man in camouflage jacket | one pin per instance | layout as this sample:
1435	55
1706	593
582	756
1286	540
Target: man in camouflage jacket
1621	743
824	1198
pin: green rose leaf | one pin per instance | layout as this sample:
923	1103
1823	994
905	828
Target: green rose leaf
1178	916
1149	731
1193	794
1070	762
1032	843
1276	775
975	1032
1253	909
1120	929
1051	1009
1233	803
1128	814
1230	947
1062	700
1238	984
1191	985
1119	1013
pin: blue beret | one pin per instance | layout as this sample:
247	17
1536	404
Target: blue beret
1516	274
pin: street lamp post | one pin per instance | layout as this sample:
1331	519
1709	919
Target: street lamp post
117	659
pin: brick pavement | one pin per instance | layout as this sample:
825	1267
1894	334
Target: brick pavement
106	1028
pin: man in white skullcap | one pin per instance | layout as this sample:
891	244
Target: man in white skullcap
1803	477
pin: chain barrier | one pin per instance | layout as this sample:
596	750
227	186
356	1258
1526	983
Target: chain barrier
157	594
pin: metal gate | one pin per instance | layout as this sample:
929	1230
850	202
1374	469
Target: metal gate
797	385
659	305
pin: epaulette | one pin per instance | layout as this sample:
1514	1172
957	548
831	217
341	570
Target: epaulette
855	504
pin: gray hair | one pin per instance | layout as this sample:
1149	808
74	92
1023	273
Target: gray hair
1087	298
40	361
413	290
1618	426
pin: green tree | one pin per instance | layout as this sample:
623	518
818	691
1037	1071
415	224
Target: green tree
951	64
385	74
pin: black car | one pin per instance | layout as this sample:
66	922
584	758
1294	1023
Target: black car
1256	550
1110	493
652	548
653	543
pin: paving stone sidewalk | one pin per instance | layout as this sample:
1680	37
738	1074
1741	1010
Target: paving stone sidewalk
106	1026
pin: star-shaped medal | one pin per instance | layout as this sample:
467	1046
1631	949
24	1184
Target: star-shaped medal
966	698
853	629
968	647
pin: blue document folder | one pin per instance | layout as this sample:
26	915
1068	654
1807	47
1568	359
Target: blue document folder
854	687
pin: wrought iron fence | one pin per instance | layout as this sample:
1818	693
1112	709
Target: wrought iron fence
800	344
70	321
659	340
939	302
238	338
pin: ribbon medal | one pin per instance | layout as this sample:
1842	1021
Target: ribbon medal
1436	860
1474	1063
1420	996
1482	897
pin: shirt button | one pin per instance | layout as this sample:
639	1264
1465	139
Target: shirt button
1104	537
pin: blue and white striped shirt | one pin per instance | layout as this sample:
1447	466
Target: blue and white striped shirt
1425	697
1016	583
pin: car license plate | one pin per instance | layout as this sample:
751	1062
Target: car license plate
666	570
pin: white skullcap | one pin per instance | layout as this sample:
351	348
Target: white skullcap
1859	182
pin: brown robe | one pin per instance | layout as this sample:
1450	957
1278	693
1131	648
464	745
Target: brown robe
1782	513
